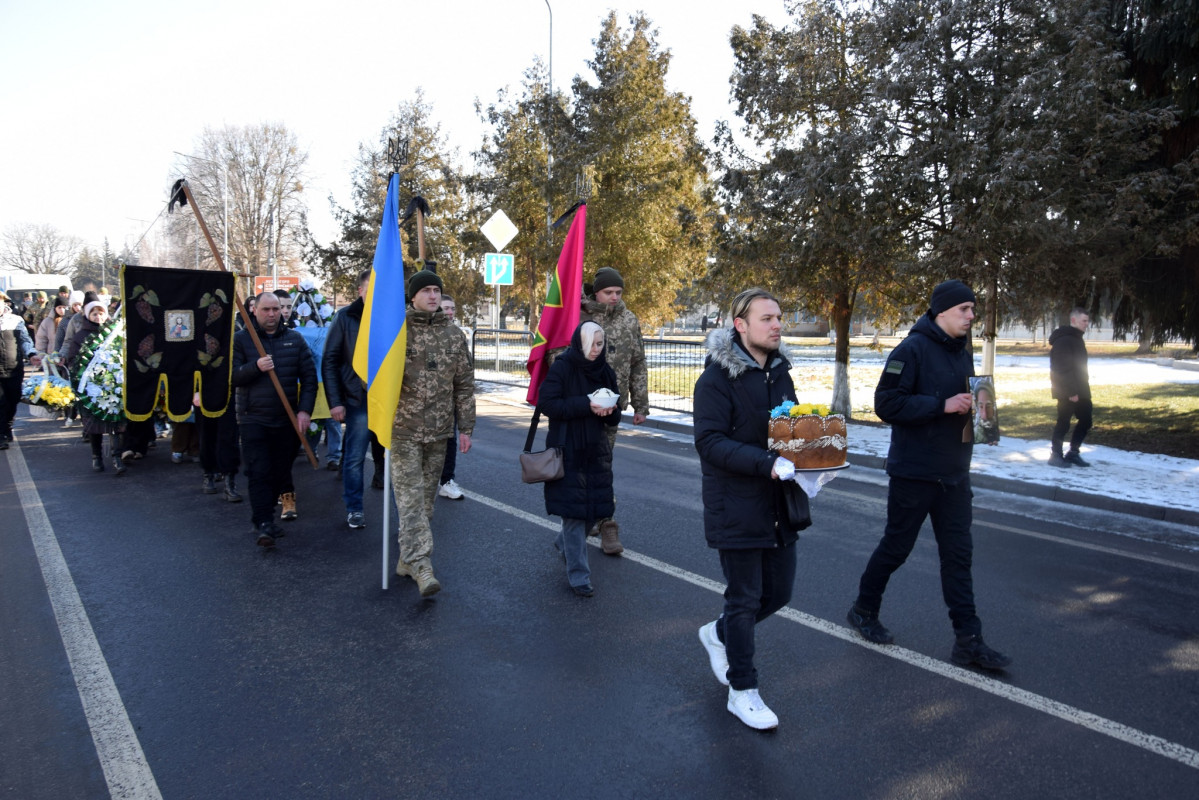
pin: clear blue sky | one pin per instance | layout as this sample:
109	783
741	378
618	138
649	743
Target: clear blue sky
96	96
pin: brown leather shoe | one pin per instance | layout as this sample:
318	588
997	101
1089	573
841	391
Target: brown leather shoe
610	538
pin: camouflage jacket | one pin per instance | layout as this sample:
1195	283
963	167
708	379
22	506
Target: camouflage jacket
439	379
625	353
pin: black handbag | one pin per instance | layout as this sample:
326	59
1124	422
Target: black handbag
796	511
542	465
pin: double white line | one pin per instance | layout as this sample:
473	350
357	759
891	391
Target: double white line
1093	722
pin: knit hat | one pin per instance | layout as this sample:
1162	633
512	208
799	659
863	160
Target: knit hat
59	302
75	297
41	296
422	279
606	278
87	310
949	294
62	289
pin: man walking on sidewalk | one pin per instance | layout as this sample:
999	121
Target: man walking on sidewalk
1071	387
924	395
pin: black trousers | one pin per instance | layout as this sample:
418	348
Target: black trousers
10	395
137	436
268	454
218	443
1065	412
909	503
759	583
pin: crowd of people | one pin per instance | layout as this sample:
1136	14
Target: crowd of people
922	393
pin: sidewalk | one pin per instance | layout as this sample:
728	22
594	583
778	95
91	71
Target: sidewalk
1142	484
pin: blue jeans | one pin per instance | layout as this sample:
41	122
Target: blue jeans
572	543
355	442
333	439
759	584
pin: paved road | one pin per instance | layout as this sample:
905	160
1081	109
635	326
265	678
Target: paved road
237	673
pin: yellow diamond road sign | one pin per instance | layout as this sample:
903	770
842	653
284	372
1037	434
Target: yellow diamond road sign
499	230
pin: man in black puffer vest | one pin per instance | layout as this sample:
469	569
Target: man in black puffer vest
746	375
15	347
924	394
268	444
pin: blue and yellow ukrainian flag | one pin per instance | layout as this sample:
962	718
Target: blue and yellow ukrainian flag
382	337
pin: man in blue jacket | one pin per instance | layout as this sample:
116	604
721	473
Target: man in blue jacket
746	375
268	442
924	394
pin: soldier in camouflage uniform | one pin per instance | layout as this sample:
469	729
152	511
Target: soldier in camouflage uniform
439	380
626	356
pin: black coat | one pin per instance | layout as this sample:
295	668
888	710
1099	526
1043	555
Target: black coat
585	490
343	387
922	372
1068	373
733	398
257	401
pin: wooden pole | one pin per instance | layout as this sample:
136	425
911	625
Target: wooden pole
249	322
420	236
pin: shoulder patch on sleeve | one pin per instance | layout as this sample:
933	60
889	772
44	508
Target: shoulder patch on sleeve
894	367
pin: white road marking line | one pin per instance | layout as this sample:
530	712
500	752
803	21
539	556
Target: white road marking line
125	768
1154	744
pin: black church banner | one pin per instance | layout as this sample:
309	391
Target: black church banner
178	340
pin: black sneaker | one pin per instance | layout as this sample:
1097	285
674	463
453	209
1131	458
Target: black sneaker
868	625
1058	460
266	534
972	650
1075	458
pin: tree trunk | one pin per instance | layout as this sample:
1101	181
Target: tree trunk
842	312
990	328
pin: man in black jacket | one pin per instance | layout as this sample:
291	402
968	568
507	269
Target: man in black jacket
1071	385
346	393
746	375
924	394
268	443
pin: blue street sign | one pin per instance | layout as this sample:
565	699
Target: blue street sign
498	269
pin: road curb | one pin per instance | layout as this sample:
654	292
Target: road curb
1023	488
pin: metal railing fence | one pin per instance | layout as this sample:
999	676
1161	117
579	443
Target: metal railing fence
672	364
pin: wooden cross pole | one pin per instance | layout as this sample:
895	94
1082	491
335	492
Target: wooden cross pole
181	185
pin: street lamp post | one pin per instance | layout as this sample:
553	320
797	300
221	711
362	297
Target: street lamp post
549	142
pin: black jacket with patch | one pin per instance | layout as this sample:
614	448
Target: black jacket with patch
926	369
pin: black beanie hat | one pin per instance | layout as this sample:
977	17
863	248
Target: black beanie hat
422	279
606	278
949	294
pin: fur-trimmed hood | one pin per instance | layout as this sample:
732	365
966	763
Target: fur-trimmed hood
725	350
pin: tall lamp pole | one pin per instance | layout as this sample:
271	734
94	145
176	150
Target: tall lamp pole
549	144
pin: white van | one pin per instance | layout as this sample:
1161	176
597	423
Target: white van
15	283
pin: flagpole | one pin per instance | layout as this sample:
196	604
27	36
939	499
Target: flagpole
181	185
386	516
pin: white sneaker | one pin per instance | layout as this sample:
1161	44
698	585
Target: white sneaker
717	656
451	490
748	707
